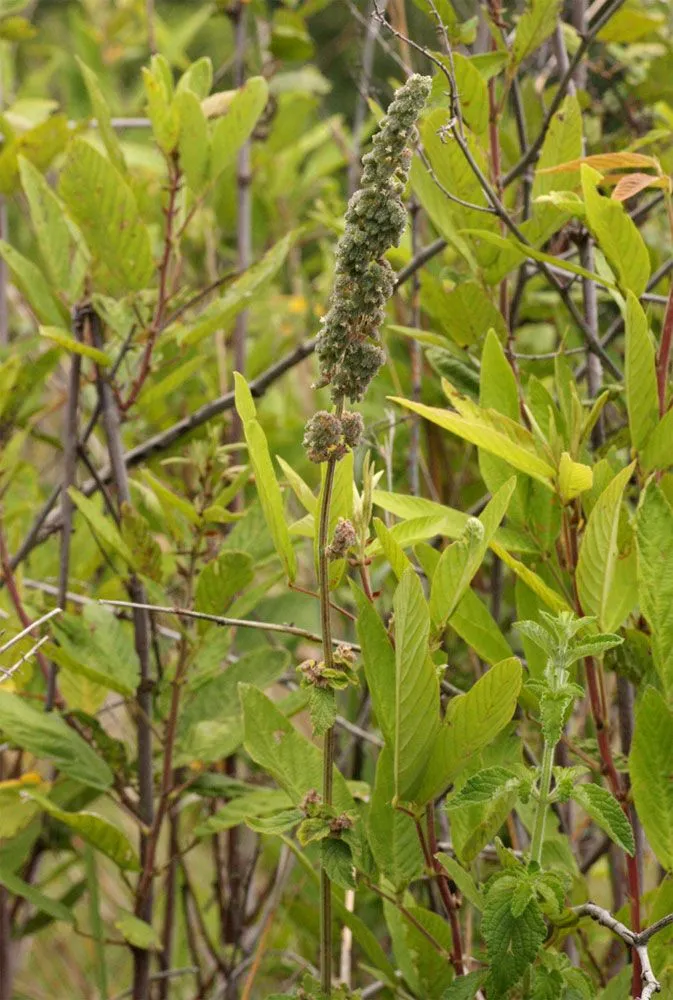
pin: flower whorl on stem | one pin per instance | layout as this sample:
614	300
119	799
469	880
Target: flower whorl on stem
348	348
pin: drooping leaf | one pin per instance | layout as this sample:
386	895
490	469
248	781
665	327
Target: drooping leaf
606	811
97	831
67	341
52	907
103	118
491	431
462	878
536	24
475	624
573	477
97	646
651	766
416	720
48	737
102	526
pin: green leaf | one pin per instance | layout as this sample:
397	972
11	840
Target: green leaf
163	113
101	113
573	478
137	932
465	987
322	708
462	878
483	786
141	540
43	903
301	489
472	721
252	804
378	657
291	760
512	942
598	566
461	560
336	860
473	93
220	580
105	209
491	431
97	646
237	297
617	235
535	26
416	687
642	401
51	228
99	832
268	489
40	144
651	767
475	624
550	597
607	812
391	549
235	128
102	526
48	737
654	540
33	287
393	836
658	451
194	141
210	725
66	340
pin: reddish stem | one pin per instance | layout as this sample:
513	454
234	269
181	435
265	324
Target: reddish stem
664	358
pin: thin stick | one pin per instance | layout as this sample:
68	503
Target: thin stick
230	622
7	673
30	627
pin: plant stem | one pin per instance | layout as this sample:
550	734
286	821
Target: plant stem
328	740
543	801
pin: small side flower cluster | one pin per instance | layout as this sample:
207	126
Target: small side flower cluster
347	345
323	681
329	436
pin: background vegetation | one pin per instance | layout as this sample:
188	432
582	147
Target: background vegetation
484	650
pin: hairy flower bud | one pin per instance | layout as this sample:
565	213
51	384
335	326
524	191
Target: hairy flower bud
323	438
344	538
352	426
347	347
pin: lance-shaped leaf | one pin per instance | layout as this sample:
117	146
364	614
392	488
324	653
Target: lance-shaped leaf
461	560
378	657
101	113
532	580
48	737
97	831
617	235
475	624
416	687
654	540
268	490
102	526
236	126
489	431
105	209
536	24
651	767
658	452
393	836
599	577
33	286
52	907
640	374
472	721
573	478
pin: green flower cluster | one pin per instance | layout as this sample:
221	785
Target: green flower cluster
348	347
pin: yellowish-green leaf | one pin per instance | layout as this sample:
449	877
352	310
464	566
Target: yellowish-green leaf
573	478
33	286
416	687
268	490
598	562
491	431
658	451
105	209
651	767
137	932
67	341
102	526
640	374
535	26
391	549
617	235
236	126
654	539
550	597
101	113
